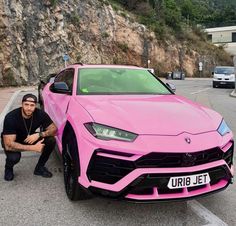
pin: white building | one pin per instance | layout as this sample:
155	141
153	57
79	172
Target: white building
224	36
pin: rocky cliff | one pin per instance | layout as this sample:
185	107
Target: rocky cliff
34	36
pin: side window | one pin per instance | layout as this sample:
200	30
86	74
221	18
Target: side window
60	77
69	77
234	37
66	76
209	37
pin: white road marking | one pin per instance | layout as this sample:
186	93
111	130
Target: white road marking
199	91
204	213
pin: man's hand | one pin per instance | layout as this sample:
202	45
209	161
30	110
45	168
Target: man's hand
38	147
32	138
11	145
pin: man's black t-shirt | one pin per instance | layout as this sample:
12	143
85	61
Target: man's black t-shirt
14	123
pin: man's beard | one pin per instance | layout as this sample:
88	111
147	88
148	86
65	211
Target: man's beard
27	114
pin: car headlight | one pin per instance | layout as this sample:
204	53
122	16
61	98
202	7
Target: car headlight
232	76
109	133
223	128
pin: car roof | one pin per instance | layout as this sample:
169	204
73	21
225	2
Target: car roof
79	65
224	67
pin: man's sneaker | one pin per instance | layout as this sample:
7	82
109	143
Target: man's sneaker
42	171
9	175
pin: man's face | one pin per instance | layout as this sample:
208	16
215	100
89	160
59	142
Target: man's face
28	107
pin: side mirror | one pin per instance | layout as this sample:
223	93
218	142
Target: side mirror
60	87
171	86
212	72
51	80
51	77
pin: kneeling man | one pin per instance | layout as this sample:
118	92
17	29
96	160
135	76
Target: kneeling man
19	135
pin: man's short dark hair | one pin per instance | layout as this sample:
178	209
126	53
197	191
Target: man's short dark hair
31	96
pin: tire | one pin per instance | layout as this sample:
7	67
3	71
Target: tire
71	170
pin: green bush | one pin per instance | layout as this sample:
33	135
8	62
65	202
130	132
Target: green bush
9	79
53	2
75	19
123	46
105	35
78	57
124	14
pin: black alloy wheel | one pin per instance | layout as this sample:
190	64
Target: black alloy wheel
69	173
71	170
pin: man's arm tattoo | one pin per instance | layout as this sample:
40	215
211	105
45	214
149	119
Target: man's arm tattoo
51	130
11	145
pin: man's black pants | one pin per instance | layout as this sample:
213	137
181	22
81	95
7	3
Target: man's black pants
13	157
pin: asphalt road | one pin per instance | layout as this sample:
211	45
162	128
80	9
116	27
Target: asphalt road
32	200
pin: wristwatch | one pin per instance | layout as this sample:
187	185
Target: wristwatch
40	134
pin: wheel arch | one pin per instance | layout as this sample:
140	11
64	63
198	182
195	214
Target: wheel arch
69	129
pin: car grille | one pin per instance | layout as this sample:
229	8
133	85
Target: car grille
145	186
228	156
110	170
168	160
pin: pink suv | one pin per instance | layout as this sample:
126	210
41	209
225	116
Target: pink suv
123	133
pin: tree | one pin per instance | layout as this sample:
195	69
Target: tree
158	5
131	4
172	14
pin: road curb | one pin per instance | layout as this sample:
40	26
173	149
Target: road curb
233	93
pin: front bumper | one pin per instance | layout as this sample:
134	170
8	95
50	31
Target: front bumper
144	176
153	186
224	83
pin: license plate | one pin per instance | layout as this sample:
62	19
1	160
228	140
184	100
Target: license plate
222	83
188	181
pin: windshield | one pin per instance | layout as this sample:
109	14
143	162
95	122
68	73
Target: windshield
118	81
224	70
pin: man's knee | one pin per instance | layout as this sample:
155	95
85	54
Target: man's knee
50	141
13	157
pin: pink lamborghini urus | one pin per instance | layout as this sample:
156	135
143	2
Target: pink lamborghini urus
124	134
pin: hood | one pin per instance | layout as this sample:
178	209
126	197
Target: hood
156	115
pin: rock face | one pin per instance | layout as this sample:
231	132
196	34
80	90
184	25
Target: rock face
34	36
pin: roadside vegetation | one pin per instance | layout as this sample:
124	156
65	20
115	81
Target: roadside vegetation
183	21
163	16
